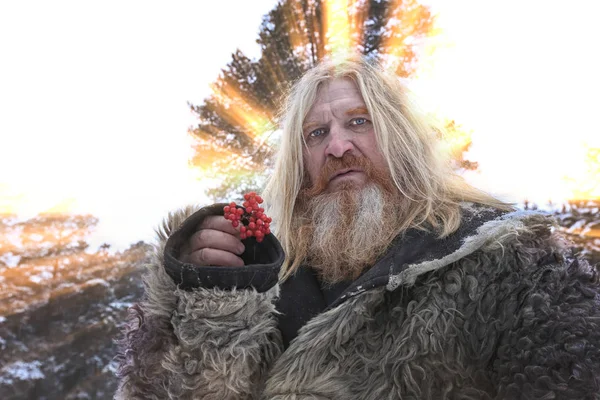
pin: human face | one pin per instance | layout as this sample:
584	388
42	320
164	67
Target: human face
337	124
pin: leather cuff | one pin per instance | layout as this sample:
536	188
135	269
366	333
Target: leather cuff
262	260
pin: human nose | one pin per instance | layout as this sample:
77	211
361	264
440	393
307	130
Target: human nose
340	142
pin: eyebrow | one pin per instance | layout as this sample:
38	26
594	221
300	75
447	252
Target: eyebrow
309	125
353	111
357	111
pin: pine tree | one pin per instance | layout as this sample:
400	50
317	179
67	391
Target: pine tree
236	128
38	255
48	255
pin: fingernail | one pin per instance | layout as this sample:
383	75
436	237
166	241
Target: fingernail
242	248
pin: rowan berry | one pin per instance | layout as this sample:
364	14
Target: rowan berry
250	217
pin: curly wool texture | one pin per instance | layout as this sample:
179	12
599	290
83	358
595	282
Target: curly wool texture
209	344
502	323
513	317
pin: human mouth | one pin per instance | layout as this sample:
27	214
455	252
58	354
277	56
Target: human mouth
345	173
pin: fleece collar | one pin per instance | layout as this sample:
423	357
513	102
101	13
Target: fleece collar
417	252
412	254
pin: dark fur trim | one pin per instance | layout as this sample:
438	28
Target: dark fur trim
141	350
511	316
205	343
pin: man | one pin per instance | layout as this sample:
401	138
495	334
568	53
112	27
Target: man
399	280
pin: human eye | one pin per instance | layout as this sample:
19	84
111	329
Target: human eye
360	124
316	133
315	136
358	121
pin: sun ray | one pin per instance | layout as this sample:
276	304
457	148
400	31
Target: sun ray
242	111
357	12
211	156
337	27
319	31
410	35
299	26
404	19
64	207
584	180
9	200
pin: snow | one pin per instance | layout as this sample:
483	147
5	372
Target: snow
65	285
22	371
12	220
14	237
10	260
97	281
42	276
112	367
120	304
36	237
577	226
53	366
96	360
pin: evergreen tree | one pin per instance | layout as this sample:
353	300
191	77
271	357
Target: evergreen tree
45	235
48	255
236	128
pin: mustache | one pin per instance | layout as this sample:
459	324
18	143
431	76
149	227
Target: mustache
333	167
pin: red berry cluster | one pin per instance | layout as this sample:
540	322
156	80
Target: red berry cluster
251	215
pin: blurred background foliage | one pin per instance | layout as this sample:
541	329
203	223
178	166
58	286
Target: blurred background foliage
62	302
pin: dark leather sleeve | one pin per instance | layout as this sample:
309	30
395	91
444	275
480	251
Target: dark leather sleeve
262	260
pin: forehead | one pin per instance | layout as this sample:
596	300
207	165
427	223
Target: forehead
337	92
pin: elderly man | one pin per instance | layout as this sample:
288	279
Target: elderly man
390	278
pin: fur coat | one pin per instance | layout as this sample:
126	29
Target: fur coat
498	310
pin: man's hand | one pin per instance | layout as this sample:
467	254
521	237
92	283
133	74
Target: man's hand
216	242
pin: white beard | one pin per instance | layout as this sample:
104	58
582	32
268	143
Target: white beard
350	230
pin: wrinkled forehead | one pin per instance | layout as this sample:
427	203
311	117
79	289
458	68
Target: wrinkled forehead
336	95
336	88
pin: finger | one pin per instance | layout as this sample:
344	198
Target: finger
210	238
208	256
219	223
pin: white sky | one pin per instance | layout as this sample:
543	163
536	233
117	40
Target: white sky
93	103
93	97
523	76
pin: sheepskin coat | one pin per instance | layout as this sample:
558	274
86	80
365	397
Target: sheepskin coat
498	310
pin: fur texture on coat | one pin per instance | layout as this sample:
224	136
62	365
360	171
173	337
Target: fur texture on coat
507	315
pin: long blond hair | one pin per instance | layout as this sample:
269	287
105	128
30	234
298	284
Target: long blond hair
430	190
